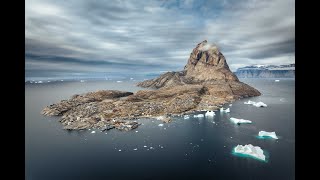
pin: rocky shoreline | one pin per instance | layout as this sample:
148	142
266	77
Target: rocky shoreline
206	83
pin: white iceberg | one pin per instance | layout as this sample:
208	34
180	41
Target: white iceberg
257	104
260	104
93	132
209	113
277	80
135	149
225	110
249	149
160	125
240	121
186	117
268	134
249	102
198	116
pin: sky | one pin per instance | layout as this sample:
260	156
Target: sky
127	37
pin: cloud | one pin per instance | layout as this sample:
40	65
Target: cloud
79	36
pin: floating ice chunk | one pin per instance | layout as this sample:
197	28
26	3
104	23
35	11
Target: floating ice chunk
151	148
135	149
225	110
82	81
119	81
160	125
242	121
92	132
145	146
131	78
257	104
186	117
260	104
249	149
249	102
61	80
277	80
137	131
209	113
230	105
198	115
119	149
39	81
268	134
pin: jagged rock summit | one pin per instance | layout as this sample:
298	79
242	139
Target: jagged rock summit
206	83
206	63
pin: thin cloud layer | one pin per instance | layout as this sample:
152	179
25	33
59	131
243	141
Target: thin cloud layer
86	37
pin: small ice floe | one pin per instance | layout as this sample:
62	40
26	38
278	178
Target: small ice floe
209	113
82	81
61	80
119	149
225	110
151	148
135	149
277	80
137	131
230	105
160	125
48	81
186	117
161	147
131	78
257	104
119	81
198	116
160	118
92	132
39	81
251	151
145	146
267	134
240	121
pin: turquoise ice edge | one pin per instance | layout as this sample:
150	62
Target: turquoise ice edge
252	157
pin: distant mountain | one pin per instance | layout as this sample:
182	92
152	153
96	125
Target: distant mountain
266	71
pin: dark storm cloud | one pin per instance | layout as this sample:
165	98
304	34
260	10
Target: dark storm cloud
118	36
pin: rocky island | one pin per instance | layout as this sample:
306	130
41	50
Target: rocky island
205	83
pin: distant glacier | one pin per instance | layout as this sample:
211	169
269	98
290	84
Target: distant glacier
266	71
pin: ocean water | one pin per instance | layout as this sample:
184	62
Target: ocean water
195	148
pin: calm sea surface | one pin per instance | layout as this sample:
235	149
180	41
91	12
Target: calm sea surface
195	148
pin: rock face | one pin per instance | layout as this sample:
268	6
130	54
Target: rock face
206	83
206	63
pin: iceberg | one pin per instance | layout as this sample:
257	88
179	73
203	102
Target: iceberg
93	132
135	149
230	105
209	113
186	117
277	80
268	134
39	81
256	104
260	104
240	121
160	125
119	81
225	110
198	115
249	102
250	150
